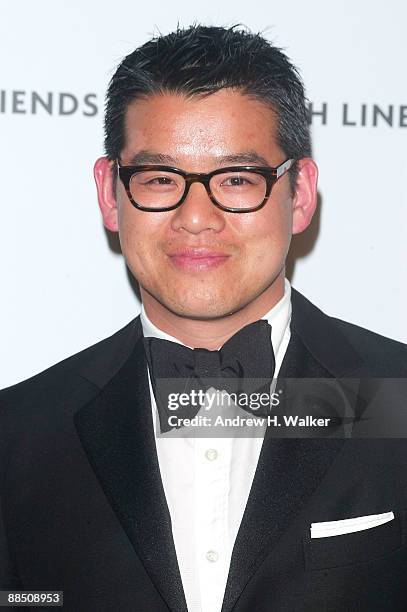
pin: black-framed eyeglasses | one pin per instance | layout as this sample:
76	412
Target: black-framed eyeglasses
237	189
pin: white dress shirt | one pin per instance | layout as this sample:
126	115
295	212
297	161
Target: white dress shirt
207	483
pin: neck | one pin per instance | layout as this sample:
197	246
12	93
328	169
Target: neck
211	333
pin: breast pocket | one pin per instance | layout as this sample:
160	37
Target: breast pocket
356	547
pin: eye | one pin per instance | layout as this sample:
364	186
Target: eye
236	181
240	179
159	180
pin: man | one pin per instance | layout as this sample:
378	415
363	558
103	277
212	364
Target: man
207	175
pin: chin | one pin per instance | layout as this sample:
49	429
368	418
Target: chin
201	315
192	311
209	309
193	308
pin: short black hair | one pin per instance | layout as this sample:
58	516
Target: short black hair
201	60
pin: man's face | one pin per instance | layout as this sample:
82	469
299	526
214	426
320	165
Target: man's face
244	254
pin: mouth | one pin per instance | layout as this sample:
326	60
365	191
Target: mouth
197	259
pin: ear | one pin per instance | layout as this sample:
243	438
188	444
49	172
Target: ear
104	179
305	198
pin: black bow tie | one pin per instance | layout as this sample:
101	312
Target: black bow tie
236	368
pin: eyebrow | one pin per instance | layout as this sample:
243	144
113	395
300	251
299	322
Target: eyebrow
151	157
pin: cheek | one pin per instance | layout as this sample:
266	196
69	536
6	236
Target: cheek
139	234
132	233
267	237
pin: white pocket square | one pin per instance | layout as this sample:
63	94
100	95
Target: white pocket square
360	523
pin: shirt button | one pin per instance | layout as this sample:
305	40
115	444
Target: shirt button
212	556
211	454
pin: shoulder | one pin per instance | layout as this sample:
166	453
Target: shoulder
336	339
376	350
92	366
373	345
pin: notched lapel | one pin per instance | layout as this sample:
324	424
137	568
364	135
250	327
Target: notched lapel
288	472
116	431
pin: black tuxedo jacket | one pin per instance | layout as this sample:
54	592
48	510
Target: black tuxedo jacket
83	508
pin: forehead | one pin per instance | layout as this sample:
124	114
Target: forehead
201	128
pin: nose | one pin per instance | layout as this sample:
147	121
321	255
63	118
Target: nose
197	213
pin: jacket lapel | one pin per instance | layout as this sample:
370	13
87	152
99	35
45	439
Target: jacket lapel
116	431
281	486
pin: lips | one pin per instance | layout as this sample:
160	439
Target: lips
197	258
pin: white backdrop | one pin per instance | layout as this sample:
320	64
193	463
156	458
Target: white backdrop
65	288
